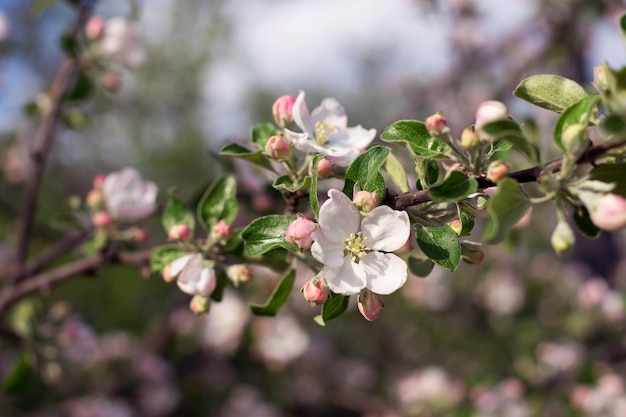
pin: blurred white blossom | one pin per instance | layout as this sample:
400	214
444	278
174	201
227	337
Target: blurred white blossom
222	330
279	340
127	196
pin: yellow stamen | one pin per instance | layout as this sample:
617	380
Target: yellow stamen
323	132
355	246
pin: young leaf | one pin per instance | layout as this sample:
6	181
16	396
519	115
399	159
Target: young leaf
505	207
267	233
510	131
261	133
611	174
584	223
315	205
286	183
440	244
580	112
396	171
278	297
176	213
551	92
420	267
219	202
364	171
467	220
237	151
163	255
415	134
334	307
455	186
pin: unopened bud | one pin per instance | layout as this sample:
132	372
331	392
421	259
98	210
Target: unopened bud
562	238
469	140
370	304
95	199
609	212
315	291
172	270
277	147
139	234
239	274
497	170
365	201
487	112
102	219
575	140
457	226
179	232
94	28
437	124
200	305
282	110
600	80
471	252
324	168
222	231
112	82
98	181
299	232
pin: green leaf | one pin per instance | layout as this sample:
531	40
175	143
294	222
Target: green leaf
551	92
427	170
440	244
219	202
364	172
579	113
510	131
286	183
261	133
266	233
467	220
396	171
455	186
235	150
40	6
414	134
177	213
75	118
622	25
163	255
19	377
614	124
222	283
69	44
505	207
611	174
315	205
334	307
584	223
278	297
81	89
420	267
97	242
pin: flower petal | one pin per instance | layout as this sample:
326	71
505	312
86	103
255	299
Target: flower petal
386	229
327	252
301	116
385	272
338	217
330	112
348	279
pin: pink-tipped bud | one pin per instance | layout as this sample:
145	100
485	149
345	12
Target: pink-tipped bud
222	231
497	170
238	274
281	110
200	305
365	201
469	140
324	169
609	212
102	219
370	304
490	111
315	291
457	226
179	232
140	234
299	233
95	199
94	28
111	82
98	181
277	147
471	253
600	80
437	124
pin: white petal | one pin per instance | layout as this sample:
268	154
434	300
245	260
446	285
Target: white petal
348	279
338	217
207	282
330	112
385	272
303	142
359	137
386	229
327	252
301	116
177	265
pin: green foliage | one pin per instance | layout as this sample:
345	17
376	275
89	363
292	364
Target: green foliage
419	141
611	174
551	92
81	88
289	184
161	256
455	186
261	133
505	207
440	244
235	150
420	267
467	220
584	223
177	213
20	376
267	233
578	113
277	298
364	172
396	172
219	202
334	307
510	131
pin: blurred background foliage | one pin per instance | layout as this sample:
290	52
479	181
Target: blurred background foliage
523	334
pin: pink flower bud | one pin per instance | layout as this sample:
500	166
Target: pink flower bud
239	274
487	112
299	232
179	232
102	219
277	147
222	231
200	305
324	168
437	124
370	304
111	82
457	226
315	291
95	199
98	181
609	212
497	170
94	28
281	110
365	201
139	234
174	268
600	80
469	140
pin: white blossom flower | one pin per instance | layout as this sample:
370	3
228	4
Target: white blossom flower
197	277
127	197
355	250
120	42
326	131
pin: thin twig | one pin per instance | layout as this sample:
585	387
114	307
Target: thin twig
68	242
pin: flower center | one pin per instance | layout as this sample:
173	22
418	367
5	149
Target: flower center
322	131
356	247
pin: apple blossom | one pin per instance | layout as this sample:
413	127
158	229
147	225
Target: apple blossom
94	28
370	304
238	274
469	140
119	42
127	197
282	110
497	170
315	290
222	231
355	250
437	124
299	233
102	219
179	232
325	131
324	169
487	112
607	212
197	277
277	147
174	268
